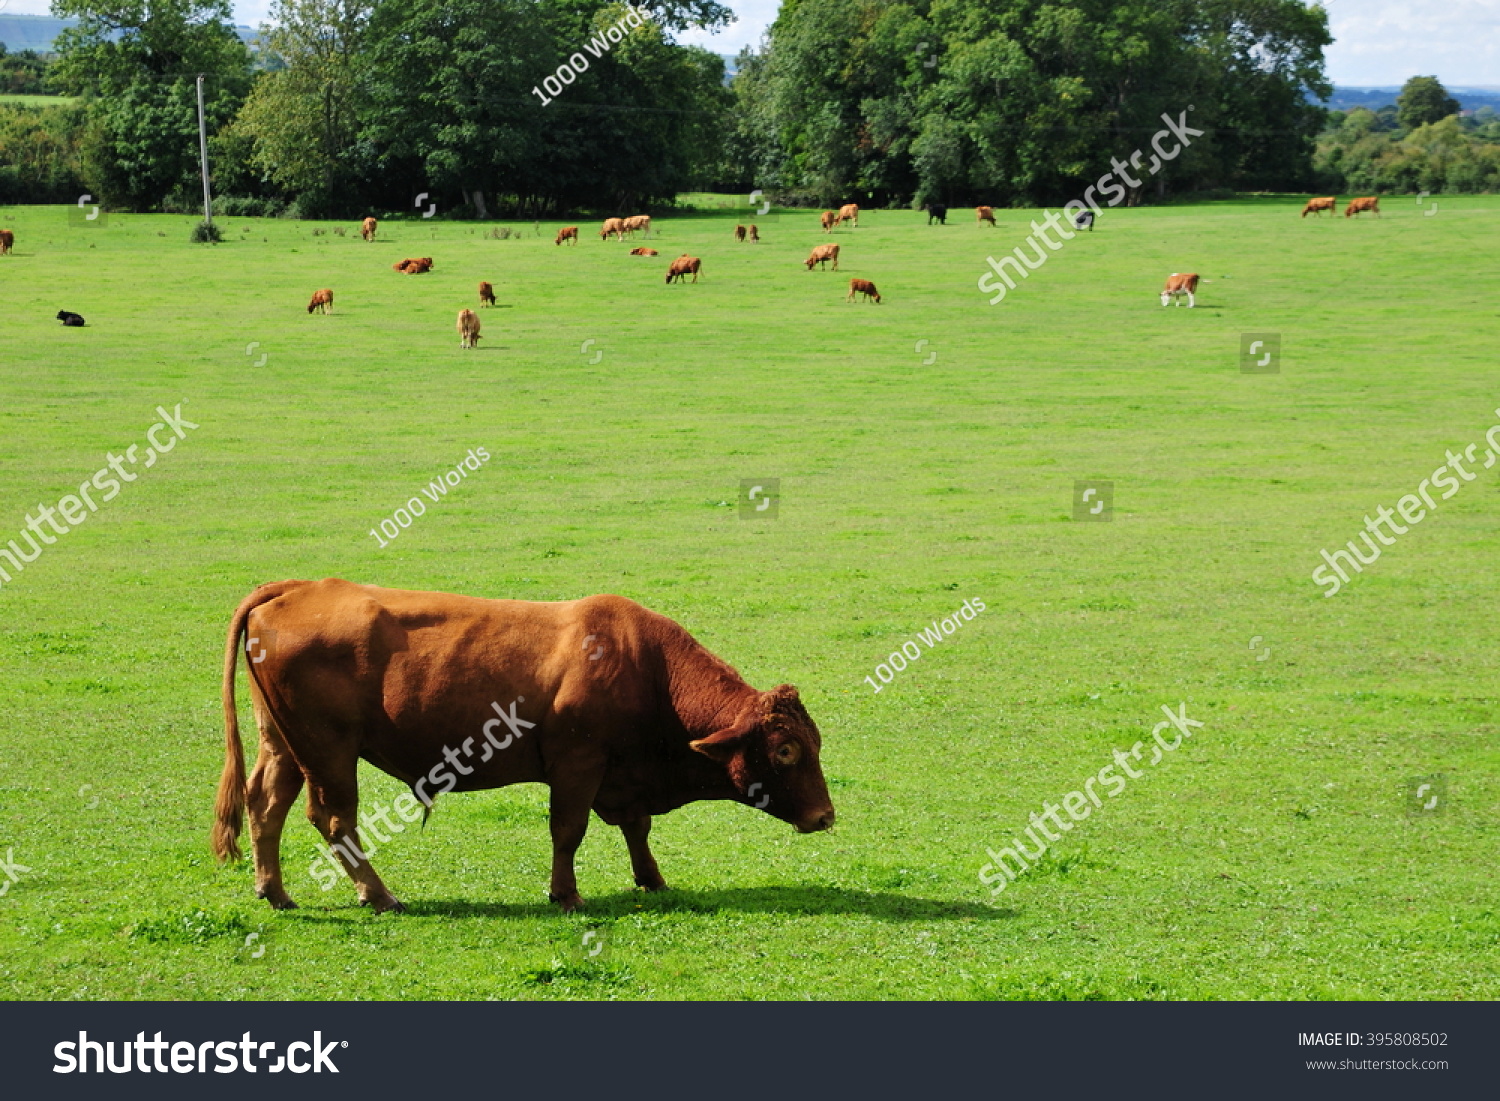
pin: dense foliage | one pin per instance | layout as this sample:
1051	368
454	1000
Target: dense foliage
1024	101
351	106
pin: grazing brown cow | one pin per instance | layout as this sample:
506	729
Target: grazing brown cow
1179	285
739	233
849	212
616	708
643	252
1317	206
615	226
486	294
640	222
1358	206
829	219
984	214
754	233
681	266
322	301
7	241
821	254
367	229
567	233
468	328
864	287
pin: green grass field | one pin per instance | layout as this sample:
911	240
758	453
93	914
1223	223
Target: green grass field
36	101
1273	855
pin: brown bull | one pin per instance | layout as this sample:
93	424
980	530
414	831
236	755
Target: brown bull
1317	206
617	709
1359	206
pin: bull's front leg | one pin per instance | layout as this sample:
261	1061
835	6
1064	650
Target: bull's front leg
571	802
642	863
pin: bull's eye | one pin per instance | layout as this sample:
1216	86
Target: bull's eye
787	753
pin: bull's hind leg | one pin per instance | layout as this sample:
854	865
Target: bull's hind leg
642	863
274	785
333	807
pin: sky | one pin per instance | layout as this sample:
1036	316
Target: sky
1376	42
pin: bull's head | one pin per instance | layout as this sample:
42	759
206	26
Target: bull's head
771	754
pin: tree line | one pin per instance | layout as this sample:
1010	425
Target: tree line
502	107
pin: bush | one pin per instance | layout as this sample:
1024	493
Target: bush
206	233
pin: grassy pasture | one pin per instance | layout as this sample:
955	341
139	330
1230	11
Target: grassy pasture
1272	856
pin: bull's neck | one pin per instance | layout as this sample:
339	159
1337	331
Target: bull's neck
707	694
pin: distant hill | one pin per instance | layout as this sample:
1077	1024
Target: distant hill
1470	99
36	32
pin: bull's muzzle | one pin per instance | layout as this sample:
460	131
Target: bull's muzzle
823	820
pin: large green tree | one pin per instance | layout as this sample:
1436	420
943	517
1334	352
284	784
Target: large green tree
1423	100
135	63
1024	101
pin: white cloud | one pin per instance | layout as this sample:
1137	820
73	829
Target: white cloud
1385	41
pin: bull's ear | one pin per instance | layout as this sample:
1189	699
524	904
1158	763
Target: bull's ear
722	745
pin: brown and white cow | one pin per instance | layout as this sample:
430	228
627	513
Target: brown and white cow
828	219
1358	206
367	229
567	233
617	709
322	301
739	233
614	226
7	241
821	254
1317	206
849	212
1179	285
682	266
984	214
468	329
864	287
486	293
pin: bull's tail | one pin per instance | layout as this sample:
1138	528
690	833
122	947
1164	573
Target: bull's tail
229	808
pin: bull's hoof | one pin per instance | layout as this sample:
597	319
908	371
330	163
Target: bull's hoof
284	904
390	904
654	883
277	897
569	903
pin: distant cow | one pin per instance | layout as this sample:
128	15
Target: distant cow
69	319
1317	206
828	219
681	266
849	212
322	301
7	240
936	212
739	233
984	214
615	226
367	229
643	252
414	266
567	233
1177	286
821	254
754	233
640	222
486	294
468	328
864	287
1358	206
1085	220
617	709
